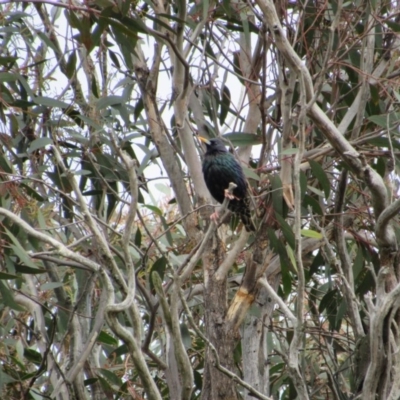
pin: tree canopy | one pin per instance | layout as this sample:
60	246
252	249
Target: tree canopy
114	284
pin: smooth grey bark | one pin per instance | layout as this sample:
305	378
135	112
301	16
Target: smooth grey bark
254	343
217	385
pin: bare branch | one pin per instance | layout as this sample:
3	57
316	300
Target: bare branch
171	316
296	345
278	300
61	249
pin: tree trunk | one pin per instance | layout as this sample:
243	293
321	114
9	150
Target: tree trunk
216	385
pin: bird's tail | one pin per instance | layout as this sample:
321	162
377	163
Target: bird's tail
242	208
247	222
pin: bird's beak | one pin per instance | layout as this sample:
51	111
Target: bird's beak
203	139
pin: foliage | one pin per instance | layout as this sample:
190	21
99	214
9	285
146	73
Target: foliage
114	284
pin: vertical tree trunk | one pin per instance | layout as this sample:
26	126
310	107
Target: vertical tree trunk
254	344
216	385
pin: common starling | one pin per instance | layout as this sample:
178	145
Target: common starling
219	169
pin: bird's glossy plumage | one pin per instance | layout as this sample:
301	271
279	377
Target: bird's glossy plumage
220	168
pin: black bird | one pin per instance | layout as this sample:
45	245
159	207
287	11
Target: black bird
219	169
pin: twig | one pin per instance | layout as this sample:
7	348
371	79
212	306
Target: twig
271	292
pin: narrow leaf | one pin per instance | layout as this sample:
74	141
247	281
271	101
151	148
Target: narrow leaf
105	338
249	172
39	143
320	174
8	298
49	102
71	65
243	139
109	101
225	103
311	234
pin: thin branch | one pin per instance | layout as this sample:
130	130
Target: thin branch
61	249
296	344
385	218
87	348
271	292
171	317
378	315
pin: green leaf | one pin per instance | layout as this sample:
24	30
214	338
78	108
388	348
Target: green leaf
303	184
8	298
311	234
95	91
340	312
138	237
33	356
154	209
90	381
19	250
73	20
49	102
5	164
39	143
316	191
393	26
71	65
310	201
105	338
7	60
7	77
158	267
380	166
127	26
225	103
358	264
277	194
110	376
291	256
106	387
249	172
380	120
289	152
327	300
114	58
286	230
164	189
243	139
320	174
82	172
185	334
139	107
109	101
388	121
120	351
5	276
51	285
31	192
5	378
24	269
